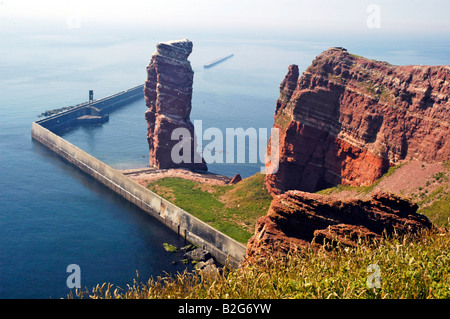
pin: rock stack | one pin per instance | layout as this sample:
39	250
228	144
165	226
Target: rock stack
168	95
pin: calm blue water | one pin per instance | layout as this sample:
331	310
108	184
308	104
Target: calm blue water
52	215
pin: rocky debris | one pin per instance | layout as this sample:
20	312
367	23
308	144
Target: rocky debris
204	264
236	179
188	247
297	220
200	258
208	267
198	254
168	96
347	119
203	261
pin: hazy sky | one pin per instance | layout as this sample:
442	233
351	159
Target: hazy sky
332	15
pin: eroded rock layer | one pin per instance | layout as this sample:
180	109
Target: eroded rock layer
348	118
168	95
295	218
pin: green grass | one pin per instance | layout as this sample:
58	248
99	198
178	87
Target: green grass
356	56
434	204
439	211
339	188
359	189
283	119
231	209
410	267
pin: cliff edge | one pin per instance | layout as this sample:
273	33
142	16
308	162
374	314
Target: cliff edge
295	218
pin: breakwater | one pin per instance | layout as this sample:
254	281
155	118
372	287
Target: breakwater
215	62
221	246
101	107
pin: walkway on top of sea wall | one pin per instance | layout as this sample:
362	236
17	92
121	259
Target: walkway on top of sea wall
104	105
222	247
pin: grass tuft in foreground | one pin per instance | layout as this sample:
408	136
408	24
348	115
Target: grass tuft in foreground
410	267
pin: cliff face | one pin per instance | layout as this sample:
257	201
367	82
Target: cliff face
168	95
296	217
348	118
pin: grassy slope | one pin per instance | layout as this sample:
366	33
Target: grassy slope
359	189
232	209
408	269
433	204
439	209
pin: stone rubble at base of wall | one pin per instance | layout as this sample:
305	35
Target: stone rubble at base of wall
222	247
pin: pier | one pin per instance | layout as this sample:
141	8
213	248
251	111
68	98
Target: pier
94	111
215	62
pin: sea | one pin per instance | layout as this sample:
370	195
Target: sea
52	215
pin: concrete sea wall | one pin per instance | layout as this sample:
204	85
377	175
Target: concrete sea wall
105	105
221	246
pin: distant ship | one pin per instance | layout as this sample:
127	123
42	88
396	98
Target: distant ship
215	62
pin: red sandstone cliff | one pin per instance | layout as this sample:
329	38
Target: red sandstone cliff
168	95
348	118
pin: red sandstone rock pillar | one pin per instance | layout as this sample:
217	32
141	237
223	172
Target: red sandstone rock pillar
168	94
